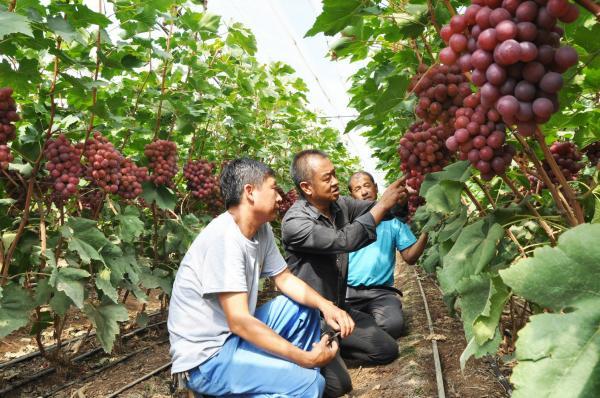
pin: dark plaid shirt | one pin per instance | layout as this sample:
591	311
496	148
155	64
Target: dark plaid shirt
317	247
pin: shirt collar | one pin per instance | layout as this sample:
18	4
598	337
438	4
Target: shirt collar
315	213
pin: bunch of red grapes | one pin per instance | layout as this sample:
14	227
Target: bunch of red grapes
63	164
441	90
593	153
103	163
289	199
132	177
568	159
513	49
422	151
480	137
200	179
8	114
162	156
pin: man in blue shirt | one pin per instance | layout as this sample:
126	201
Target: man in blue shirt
371	269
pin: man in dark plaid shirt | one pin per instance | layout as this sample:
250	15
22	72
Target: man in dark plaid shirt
319	231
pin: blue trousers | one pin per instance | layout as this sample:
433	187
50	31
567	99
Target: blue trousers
241	369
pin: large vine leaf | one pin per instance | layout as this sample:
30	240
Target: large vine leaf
471	254
70	281
474	294
336	15
11	22
130	225
84	238
106	318
15	304
558	352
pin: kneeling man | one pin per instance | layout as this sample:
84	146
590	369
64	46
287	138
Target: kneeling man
371	269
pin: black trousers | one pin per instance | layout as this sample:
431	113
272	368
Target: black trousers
383	305
369	344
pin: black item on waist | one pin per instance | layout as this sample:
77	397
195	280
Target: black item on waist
384	287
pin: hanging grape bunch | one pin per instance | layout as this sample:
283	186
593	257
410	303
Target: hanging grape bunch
479	137
568	159
200	179
422	151
513	49
288	199
63	164
162	156
103	163
441	90
132	177
8	114
593	153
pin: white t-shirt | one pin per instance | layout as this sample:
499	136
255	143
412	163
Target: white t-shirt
219	260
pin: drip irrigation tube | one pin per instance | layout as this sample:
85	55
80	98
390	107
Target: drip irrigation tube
436	355
137	381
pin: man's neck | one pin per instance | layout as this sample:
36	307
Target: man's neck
245	221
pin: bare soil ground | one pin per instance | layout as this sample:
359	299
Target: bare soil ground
411	375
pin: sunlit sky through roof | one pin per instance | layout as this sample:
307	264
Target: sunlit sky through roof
279	27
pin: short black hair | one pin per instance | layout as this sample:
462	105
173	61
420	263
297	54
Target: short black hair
361	173
238	173
300	171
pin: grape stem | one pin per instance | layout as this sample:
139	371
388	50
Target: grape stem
449	7
164	76
30	184
434	21
569	193
590	6
564	210
493	204
95	88
533	210
12	6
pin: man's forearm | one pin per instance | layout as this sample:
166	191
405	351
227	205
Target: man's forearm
300	292
412	254
259	334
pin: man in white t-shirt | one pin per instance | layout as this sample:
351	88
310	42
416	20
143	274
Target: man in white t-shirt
218	338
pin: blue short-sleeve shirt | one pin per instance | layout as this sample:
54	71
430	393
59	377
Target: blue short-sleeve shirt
374	264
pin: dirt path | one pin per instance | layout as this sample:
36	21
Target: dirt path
411	375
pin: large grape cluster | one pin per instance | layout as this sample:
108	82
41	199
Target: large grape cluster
513	49
480	137
200	179
132	177
8	115
441	90
162	156
103	163
422	151
63	164
567	157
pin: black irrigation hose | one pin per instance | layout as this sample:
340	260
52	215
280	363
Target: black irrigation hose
76	359
53	346
436	355
137	381
102	369
501	378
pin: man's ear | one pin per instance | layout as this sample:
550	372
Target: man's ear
306	188
249	193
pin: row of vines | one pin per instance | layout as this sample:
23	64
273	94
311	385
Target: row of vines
491	110
117	117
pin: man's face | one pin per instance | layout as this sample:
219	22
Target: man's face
324	185
363	188
267	199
